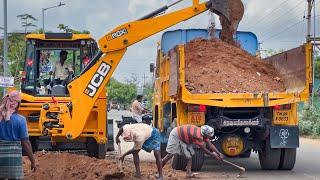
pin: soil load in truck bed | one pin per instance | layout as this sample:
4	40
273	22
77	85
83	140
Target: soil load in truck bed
213	66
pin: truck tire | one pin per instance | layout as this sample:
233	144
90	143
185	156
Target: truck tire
163	151
246	154
179	162
96	150
110	135
288	159
197	160
269	158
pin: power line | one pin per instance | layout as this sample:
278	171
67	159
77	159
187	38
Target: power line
272	29
265	16
285	14
286	29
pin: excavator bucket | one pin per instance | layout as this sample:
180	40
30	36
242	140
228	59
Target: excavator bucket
231	13
227	8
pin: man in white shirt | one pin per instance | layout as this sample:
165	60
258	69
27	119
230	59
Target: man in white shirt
61	70
137	109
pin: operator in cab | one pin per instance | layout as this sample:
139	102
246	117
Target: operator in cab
61	70
137	109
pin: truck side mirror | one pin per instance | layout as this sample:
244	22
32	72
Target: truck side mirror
152	67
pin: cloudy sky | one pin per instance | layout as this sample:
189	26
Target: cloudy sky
279	24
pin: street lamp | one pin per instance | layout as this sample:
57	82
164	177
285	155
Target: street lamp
44	9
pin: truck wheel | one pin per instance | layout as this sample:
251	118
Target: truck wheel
163	151
179	162
246	154
197	160
269	158
96	150
288	159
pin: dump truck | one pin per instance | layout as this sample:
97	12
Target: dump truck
266	123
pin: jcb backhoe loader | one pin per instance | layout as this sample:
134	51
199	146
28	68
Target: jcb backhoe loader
80	113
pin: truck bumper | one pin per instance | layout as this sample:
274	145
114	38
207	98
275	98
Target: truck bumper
284	136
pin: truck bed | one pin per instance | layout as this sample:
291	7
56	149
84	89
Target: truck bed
294	66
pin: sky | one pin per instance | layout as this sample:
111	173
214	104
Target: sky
278	24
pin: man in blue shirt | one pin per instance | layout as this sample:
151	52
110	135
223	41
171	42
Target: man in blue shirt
13	134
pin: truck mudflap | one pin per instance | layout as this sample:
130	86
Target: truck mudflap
284	136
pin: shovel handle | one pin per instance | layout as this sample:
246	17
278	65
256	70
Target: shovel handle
119	153
232	164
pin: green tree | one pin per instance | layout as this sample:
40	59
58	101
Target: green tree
16	53
148	94
123	93
317	68
66	29
27	20
272	52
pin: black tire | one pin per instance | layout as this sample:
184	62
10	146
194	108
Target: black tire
34	143
96	150
288	159
246	154
110	135
179	162
269	158
163	151
197	160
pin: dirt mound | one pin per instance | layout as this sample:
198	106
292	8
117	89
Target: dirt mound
65	166
213	66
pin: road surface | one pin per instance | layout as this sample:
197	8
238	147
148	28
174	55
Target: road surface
307	164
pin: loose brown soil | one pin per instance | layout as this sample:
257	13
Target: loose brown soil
65	166
213	66
230	24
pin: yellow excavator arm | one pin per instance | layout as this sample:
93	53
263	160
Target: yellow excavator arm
85	89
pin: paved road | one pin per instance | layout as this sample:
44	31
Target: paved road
307	165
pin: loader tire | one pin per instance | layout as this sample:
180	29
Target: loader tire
34	143
96	150
269	158
288	159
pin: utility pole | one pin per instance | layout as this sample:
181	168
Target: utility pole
44	9
309	39
5	42
309	19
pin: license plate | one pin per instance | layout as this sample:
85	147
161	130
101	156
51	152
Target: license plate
281	117
196	118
